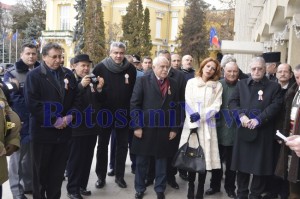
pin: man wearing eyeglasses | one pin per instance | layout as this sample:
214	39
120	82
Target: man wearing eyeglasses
255	103
50	92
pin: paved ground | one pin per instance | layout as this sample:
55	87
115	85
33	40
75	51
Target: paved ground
112	191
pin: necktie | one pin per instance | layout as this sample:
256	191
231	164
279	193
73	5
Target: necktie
55	74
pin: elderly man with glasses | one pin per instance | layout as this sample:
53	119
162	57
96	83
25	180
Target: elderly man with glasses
50	92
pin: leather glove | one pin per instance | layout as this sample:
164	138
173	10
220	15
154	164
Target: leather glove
195	117
194	130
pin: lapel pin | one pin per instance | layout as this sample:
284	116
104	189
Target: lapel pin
260	95
126	78
66	81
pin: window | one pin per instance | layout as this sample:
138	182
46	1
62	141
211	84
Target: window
174	28
65	17
158	28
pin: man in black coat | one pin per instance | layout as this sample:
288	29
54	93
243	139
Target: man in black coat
179	76
276	185
187	67
50	92
255	102
20	174
120	76
155	114
84	135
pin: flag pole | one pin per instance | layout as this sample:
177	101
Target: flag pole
10	50
17	45
3	47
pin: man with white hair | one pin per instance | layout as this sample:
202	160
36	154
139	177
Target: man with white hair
226	133
154	124
255	103
230	58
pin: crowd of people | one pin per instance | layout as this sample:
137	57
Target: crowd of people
52	118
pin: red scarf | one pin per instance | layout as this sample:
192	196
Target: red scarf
163	87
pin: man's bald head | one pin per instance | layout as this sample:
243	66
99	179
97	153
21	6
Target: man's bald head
187	62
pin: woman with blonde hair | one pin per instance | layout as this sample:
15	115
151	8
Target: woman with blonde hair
203	96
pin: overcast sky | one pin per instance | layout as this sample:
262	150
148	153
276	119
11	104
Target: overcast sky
216	3
10	2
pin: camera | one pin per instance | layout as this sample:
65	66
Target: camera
94	79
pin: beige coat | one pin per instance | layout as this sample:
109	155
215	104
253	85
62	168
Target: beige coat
11	138
206	99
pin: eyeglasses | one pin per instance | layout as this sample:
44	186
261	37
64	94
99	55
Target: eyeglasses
55	56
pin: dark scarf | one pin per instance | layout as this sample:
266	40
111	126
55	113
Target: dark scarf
116	68
21	67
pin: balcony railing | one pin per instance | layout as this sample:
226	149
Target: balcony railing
57	33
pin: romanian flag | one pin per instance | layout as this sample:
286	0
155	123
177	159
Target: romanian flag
213	38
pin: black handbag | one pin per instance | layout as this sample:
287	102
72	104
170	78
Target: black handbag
190	159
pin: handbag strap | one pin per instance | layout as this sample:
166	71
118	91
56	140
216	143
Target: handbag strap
199	149
197	138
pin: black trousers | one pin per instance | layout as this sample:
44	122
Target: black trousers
80	161
201	181
172	171
217	174
0	191
274	184
113	150
49	163
121	152
256	188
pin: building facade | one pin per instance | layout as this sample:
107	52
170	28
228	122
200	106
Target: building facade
266	26
165	19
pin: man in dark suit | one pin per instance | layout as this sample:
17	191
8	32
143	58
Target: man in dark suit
179	76
154	113
120	76
255	102
50	92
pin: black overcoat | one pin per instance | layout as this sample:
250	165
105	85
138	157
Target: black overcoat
117	94
147	100
46	99
282	165
253	149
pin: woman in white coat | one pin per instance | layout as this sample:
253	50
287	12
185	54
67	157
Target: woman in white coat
203	96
